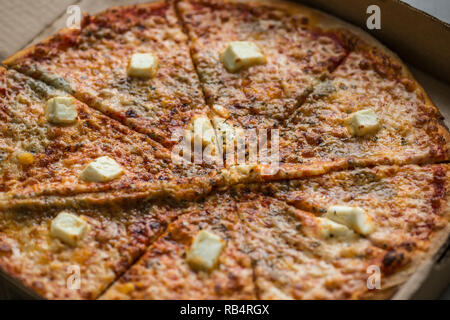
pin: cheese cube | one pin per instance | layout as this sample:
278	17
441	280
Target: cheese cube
61	110
331	229
102	169
353	217
68	228
362	122
142	65
201	132
236	173
241	54
205	250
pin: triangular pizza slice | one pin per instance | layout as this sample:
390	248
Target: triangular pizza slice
201	256
407	205
299	256
369	111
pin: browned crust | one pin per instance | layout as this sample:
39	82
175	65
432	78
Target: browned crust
189	189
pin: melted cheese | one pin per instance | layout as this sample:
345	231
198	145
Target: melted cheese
329	229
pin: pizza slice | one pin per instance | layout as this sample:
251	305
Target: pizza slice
132	63
201	256
76	252
369	111
407	205
52	144
297	255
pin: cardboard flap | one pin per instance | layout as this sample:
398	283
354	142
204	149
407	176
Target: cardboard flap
415	36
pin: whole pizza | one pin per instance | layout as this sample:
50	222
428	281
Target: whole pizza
119	180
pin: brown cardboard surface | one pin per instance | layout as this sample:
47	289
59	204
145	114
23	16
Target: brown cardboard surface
425	43
21	21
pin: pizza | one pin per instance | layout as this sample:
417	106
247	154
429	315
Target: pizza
120	179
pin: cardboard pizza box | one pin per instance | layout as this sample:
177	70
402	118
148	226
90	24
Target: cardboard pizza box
421	40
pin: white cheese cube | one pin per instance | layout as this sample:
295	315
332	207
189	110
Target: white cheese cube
241	54
353	217
68	228
205	250
102	169
201	132
331	229
362	122
61	110
142	65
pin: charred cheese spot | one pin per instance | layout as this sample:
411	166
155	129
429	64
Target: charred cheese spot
393	260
